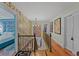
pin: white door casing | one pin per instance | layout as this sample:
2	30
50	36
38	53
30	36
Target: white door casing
76	32
69	33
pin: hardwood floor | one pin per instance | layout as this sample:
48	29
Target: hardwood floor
39	53
57	50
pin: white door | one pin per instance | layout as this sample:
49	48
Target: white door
76	32
69	32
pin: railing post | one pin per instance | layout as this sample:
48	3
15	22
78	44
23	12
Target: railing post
50	43
18	41
34	42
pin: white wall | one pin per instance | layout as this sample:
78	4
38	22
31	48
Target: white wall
42	25
60	38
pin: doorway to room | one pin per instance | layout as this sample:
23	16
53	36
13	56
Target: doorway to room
7	31
69	42
71	27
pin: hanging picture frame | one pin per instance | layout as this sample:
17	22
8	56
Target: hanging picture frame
45	28
57	26
51	26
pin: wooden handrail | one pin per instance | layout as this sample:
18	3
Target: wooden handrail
47	39
25	35
34	41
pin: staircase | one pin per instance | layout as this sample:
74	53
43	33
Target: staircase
28	45
54	49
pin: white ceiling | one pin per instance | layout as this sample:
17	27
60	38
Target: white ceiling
43	10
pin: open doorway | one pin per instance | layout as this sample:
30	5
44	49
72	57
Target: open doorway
7	32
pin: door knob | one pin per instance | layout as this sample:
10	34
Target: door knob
72	38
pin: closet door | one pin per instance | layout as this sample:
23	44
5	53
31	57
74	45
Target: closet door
69	32
76	32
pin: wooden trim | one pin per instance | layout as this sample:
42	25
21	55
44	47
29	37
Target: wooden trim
25	35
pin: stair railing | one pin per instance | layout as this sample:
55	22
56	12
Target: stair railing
22	39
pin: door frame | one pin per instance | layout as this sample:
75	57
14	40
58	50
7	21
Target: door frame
65	36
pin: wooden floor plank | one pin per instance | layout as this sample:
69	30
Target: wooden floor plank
57	50
39	53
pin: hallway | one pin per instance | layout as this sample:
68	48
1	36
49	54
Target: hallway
56	51
44	50
39	28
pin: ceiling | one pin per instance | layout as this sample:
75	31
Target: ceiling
44	11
